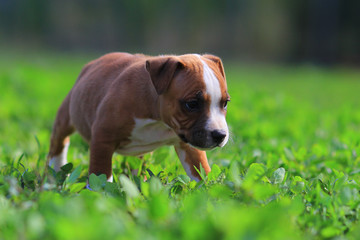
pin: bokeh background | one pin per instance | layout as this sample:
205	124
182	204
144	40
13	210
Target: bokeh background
324	32
291	167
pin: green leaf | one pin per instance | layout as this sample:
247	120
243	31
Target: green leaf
155	186
177	188
51	171
77	187
201	172
134	162
29	176
129	187
340	181
234	174
74	175
29	179
345	195
60	177
214	173
112	188
150	172
278	176
330	231
192	184
97	182
297	185
67	168
324	187
184	179
255	172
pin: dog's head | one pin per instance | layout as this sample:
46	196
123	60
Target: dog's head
193	97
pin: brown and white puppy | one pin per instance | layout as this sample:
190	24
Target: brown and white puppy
133	104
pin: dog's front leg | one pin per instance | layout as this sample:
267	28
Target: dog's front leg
190	158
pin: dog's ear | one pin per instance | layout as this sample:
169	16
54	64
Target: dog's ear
218	62
162	70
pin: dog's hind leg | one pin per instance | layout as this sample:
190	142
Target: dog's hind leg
60	140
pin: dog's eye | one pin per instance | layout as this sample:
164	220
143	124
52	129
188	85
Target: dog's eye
192	105
225	104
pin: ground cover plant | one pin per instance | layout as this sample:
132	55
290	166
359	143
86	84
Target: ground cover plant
290	170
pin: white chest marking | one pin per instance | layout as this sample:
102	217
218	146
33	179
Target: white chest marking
217	118
147	135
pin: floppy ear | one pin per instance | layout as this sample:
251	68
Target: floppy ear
162	70
218	62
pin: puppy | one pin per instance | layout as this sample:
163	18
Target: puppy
133	104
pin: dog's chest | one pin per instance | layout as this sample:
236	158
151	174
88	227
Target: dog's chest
147	135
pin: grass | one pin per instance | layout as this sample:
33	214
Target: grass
290	171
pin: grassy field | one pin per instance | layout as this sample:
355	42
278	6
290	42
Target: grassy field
290	171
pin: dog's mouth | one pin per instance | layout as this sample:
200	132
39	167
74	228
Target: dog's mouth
198	145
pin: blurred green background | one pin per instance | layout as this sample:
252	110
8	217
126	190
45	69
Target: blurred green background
290	170
315	31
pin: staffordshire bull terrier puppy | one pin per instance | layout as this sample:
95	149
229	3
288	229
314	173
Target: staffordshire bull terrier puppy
133	104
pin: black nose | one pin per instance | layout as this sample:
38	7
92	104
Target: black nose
218	135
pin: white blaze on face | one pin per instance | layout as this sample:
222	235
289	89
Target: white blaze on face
216	120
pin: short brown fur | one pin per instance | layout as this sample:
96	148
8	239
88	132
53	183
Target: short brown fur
116	88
